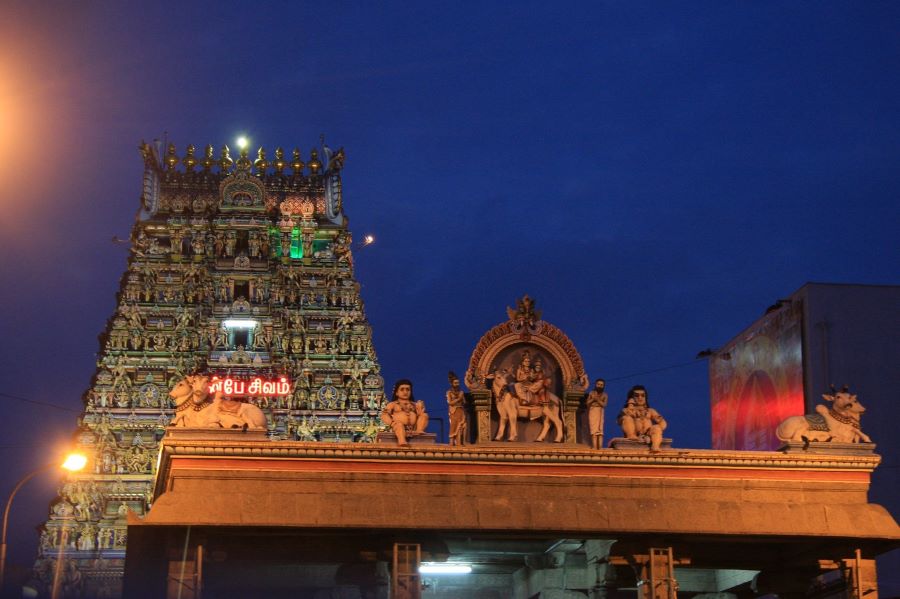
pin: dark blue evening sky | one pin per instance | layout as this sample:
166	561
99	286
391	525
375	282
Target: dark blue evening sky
654	175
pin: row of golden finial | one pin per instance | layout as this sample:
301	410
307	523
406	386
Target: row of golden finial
243	163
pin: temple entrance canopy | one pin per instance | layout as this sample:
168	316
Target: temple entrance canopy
529	520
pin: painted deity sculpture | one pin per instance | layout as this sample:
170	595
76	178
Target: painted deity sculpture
596	405
526	395
838	422
639	421
406	416
195	408
456	406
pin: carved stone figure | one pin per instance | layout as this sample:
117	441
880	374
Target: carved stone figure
86	537
104	539
639	421
73	582
406	416
596	405
456	406
194	407
230	243
838	423
529	397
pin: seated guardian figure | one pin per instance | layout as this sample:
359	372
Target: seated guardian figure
406	416
639	421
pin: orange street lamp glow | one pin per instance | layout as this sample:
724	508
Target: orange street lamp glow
75	462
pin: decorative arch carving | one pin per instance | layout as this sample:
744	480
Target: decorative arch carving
240	190
525	326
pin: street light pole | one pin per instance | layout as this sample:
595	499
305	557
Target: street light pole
9	501
73	463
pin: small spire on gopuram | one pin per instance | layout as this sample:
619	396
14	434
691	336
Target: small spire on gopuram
243	161
189	161
297	164
279	162
208	160
171	157
314	164
261	163
225	160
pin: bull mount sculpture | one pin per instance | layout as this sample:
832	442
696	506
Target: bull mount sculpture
194	408
837	423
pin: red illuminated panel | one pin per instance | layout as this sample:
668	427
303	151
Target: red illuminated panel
756	381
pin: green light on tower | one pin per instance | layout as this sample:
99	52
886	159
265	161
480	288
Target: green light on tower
296	245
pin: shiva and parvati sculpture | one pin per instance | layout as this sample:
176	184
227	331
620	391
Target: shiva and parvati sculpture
838	423
194	408
526	379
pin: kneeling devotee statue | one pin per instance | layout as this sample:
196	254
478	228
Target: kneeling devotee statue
639	421
406	416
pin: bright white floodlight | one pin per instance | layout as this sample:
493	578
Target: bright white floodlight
445	569
239	323
242	142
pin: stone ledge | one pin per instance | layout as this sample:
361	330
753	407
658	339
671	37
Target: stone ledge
389	438
215	434
623	443
828	448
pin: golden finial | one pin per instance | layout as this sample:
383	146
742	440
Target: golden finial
225	160
261	163
297	164
189	160
279	162
243	161
208	160
171	157
314	164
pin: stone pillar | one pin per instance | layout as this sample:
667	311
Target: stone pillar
571	403
481	398
548	576
382	589
604	573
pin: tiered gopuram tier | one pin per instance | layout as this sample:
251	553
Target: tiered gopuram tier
239	269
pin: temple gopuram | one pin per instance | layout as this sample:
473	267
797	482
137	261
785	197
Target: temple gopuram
239	269
243	443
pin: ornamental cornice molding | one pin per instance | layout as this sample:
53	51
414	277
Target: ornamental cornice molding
521	455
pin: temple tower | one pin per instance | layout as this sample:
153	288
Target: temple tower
239	269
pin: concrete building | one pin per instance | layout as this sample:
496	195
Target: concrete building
820	335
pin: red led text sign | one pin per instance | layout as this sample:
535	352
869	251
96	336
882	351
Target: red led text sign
247	388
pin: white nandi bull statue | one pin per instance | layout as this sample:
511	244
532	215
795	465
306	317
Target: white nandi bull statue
838	423
510	407
194	408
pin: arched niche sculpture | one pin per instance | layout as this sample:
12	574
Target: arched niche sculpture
499	372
